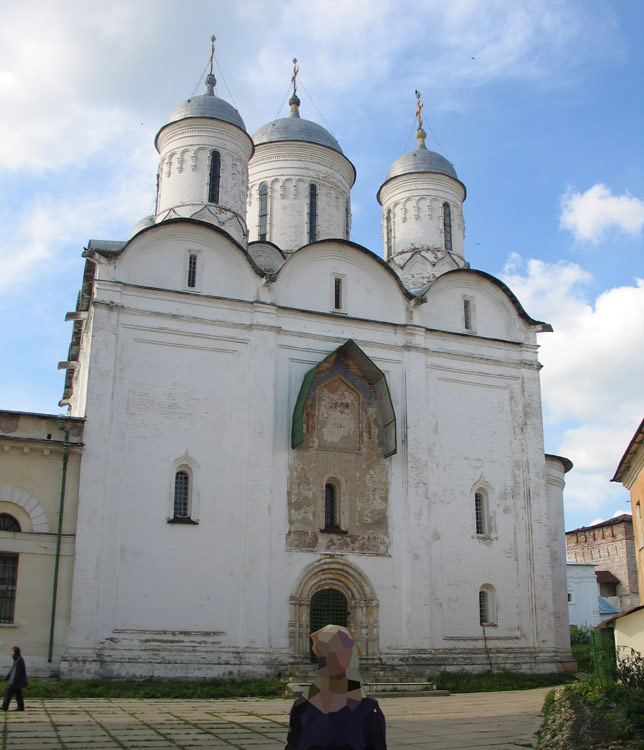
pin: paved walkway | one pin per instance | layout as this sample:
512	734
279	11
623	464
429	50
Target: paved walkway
475	720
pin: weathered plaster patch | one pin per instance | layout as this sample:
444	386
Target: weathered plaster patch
340	446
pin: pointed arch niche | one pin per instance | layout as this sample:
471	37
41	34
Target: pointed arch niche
343	431
348	579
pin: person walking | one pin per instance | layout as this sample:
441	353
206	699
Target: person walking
17	679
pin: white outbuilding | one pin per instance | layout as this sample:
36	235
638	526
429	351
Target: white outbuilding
282	429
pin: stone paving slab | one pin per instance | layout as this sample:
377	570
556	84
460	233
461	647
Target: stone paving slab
475	720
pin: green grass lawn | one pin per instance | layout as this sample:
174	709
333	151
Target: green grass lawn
455	682
464	682
157	689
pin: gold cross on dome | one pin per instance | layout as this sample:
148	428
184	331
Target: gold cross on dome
296	70
419	110
213	38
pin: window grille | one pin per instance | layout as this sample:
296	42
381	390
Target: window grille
330	506
192	270
447	225
337	294
181	494
484	608
479	508
8	523
389	232
347	221
215	169
263	210
8	580
328	607
467	314
313	212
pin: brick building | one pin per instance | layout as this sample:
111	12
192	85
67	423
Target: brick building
610	546
630	473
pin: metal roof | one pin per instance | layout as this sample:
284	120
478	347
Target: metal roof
421	160
207	105
295	129
605	576
606	608
374	375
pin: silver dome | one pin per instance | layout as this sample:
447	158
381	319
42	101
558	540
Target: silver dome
421	160
209	106
295	129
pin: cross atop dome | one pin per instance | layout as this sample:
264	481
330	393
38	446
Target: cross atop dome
420	133
211	81
294	101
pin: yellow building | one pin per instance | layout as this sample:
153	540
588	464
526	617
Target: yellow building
630	473
39	456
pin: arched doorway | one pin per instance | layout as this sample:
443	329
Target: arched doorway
328	607
309	605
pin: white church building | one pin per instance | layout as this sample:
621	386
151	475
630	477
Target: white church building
282	429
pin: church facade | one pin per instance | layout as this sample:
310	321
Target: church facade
283	429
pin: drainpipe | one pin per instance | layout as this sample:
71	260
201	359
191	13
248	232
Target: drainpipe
65	430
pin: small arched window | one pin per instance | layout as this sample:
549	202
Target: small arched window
182	494
215	171
263	210
481	513
313	212
8	523
487	605
388	238
447	226
330	506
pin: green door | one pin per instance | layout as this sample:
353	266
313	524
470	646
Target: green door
328	607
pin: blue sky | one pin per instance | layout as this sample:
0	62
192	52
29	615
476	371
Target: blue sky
539	105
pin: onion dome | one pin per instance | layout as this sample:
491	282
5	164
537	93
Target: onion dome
203	167
299	183
422	215
207	105
294	128
420	160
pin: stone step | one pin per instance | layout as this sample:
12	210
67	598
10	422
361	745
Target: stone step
388	689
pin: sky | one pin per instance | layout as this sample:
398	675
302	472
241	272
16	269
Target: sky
539	106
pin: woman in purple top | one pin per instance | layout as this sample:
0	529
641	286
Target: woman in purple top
335	713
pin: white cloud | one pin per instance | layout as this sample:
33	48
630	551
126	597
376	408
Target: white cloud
467	41
58	219
590	215
72	80
592	375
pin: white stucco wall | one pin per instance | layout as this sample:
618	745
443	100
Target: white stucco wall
288	169
416	205
184	171
213	378
583	602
